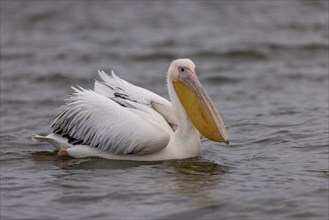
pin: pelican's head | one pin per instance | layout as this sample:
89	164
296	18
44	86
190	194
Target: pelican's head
195	100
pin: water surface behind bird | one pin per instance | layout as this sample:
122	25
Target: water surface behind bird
264	64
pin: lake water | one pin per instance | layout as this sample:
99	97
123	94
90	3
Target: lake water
263	63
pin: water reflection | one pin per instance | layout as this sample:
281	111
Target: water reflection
193	180
189	183
198	167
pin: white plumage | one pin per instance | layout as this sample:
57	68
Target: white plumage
118	120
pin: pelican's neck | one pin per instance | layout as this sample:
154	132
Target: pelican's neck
185	128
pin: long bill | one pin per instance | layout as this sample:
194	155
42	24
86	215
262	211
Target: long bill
200	108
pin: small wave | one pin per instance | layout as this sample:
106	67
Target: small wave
304	75
153	56
44	155
320	173
300	47
42	16
221	80
53	77
9	56
58	77
240	54
197	166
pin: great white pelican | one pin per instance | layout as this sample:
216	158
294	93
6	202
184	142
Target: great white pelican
118	120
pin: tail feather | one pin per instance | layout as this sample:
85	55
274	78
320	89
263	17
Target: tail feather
57	141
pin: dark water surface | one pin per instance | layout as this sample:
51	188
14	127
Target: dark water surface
264	64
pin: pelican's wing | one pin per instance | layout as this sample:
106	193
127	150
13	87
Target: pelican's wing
114	86
122	127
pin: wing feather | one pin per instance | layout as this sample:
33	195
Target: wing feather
113	86
100	122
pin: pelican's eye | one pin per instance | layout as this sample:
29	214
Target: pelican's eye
182	69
